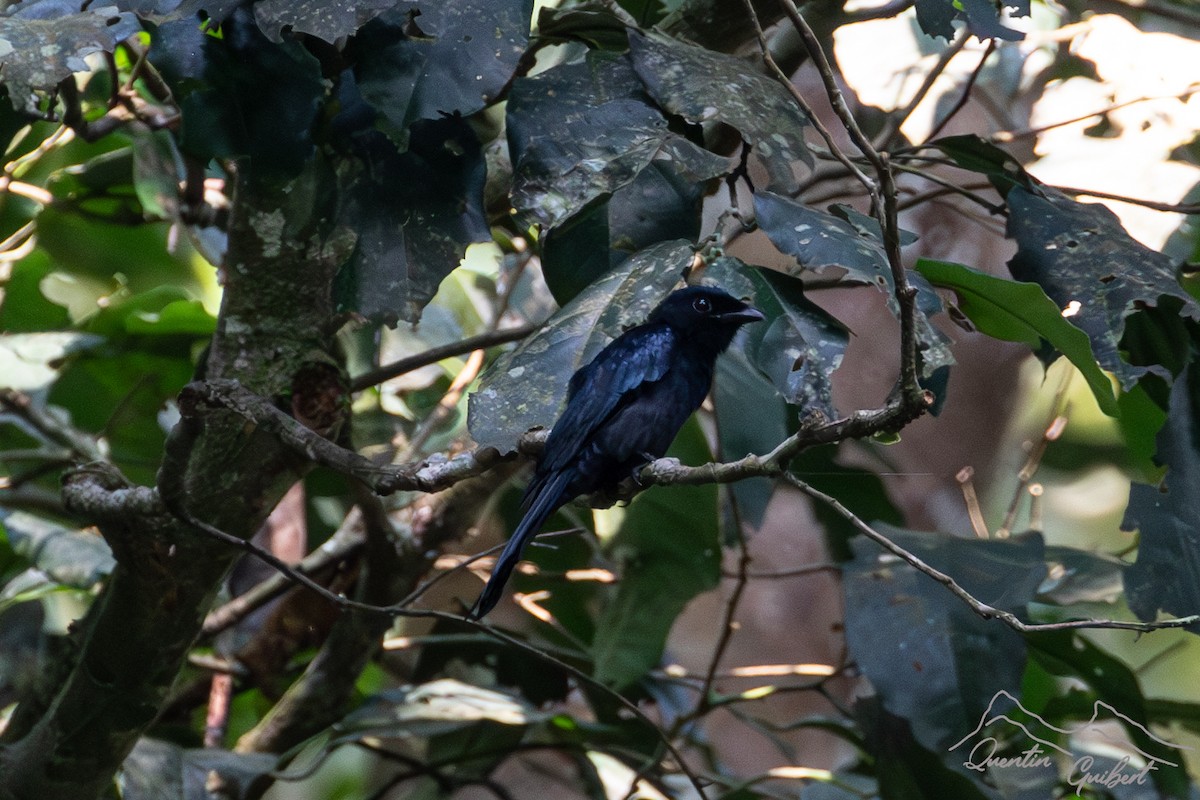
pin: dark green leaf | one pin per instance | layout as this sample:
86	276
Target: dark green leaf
659	204
240	94
740	385
933	661
1080	576
329	20
978	155
818	240
23	306
799	346
1117	696
69	557
1166	575
414	212
597	27
432	708
159	770
704	86
526	387
456	61
36	54
669	552
580	132
1021	312
157	171
981	16
1079	253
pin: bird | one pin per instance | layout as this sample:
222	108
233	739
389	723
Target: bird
624	408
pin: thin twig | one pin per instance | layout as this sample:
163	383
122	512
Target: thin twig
436	354
978	606
897	119
1177	208
961	102
779	74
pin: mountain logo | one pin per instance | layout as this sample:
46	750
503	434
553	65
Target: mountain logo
1084	770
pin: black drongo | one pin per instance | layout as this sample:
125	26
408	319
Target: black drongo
624	410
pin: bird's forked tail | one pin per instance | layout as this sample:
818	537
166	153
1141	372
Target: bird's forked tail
547	501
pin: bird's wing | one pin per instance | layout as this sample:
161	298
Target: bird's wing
640	355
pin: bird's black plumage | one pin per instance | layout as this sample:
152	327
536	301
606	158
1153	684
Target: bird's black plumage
624	409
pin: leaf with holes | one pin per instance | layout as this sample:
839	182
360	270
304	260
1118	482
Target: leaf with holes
526	387
1084	259
818	240
580	132
36	54
702	86
1021	312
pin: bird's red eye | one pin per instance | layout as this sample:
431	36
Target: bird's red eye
702	304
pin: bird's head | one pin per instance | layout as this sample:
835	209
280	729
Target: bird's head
705	314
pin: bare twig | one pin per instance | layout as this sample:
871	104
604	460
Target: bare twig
897	119
436	354
978	606
965	95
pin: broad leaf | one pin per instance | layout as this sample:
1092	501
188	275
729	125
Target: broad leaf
1115	695
739	385
818	240
40	47
414	212
160	770
240	94
1166	575
68	557
326	20
1021	312
1088	264
799	346
703	86
981	16
933	661
661	203
669	552
526	387
431	60
579	132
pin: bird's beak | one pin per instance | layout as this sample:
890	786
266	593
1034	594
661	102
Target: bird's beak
744	316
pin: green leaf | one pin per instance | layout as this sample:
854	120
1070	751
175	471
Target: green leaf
1166	575
579	132
818	240
1083	258
703	86
799	346
159	770
669	551
240	94
39	53
933	661
68	557
1065	654
1021	312
415	213
432	708
526	388
661	203
936	18
24	307
976	154
448	59
328	21
740	385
